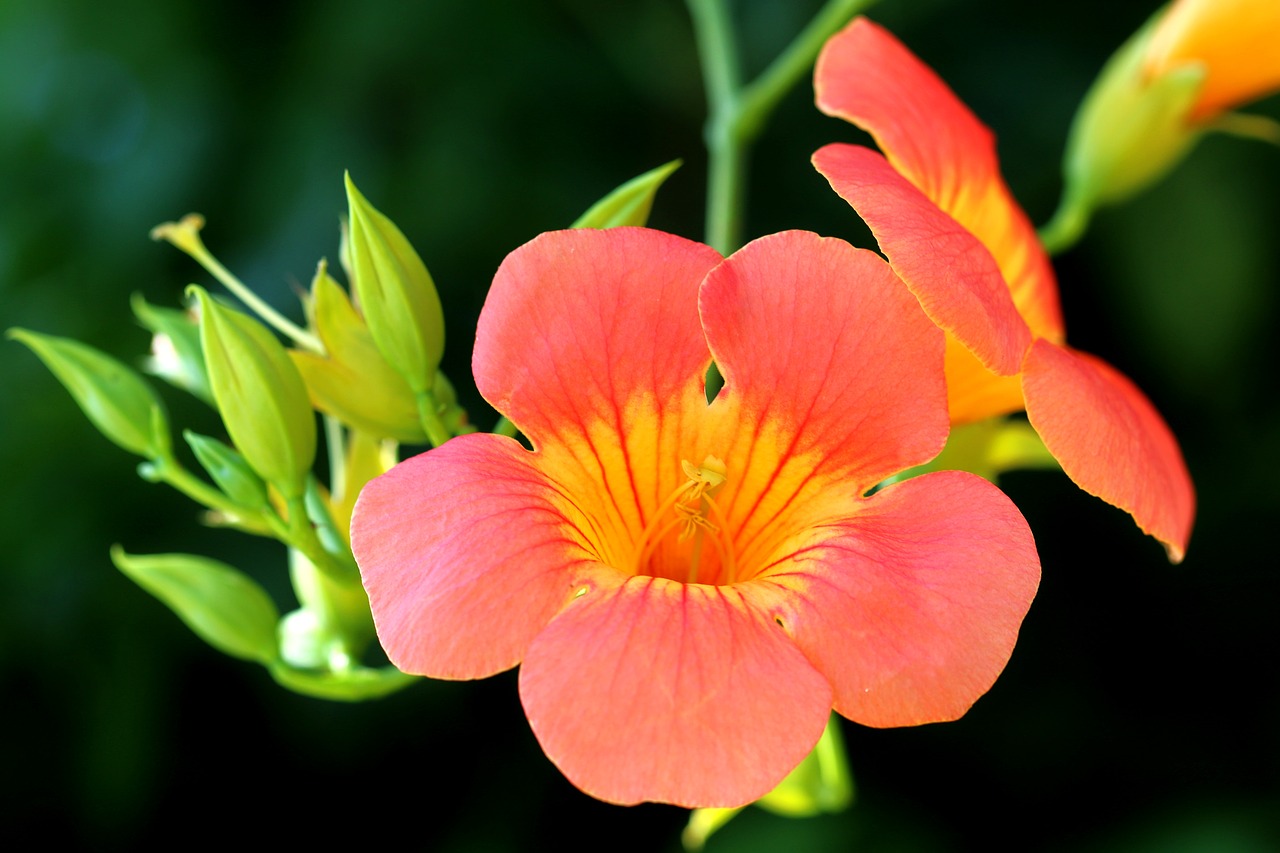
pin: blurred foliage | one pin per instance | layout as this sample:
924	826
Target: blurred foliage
1141	711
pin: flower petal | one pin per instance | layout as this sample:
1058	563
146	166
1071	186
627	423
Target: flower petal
866	76
466	554
910	605
580	322
1110	440
679	693
948	269
827	356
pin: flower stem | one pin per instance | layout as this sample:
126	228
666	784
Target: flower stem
736	115
429	415
185	235
1066	227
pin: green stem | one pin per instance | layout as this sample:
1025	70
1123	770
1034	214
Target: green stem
765	93
429	415
171	473
1066	227
335	446
299	534
736	115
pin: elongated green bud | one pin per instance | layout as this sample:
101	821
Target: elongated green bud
114	397
396	294
260	395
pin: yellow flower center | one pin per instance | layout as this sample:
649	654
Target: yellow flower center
692	510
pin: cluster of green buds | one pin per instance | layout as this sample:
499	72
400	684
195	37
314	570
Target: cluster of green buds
369	366
367	361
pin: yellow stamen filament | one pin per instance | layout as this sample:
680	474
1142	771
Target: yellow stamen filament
691	503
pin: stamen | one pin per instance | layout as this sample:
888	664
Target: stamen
691	503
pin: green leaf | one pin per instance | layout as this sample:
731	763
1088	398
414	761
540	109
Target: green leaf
630	203
223	606
176	355
228	469
260	395
117	400
396	293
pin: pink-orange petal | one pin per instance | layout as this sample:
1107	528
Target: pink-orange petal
866	76
911	605
1110	440
578	323
947	268
824	350
465	554
686	694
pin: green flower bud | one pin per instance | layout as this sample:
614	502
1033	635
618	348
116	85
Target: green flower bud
228	469
352	381
260	395
114	397
396	294
223	606
1130	129
176	355
630	203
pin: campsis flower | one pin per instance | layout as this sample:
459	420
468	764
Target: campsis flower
690	586
950	228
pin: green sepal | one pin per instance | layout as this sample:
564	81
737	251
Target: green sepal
115	398
820	784
229	471
222	605
358	684
260	395
702	823
395	292
352	381
176	354
630	203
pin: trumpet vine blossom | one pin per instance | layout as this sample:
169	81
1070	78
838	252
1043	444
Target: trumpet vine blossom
949	226
691	586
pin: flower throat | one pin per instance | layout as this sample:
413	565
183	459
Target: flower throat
692	509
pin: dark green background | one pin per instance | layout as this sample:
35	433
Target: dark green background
1141	709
